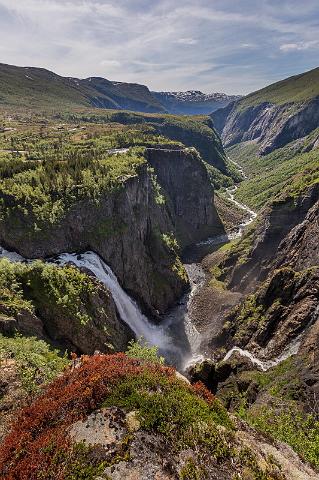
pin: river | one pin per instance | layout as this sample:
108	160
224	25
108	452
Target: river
177	338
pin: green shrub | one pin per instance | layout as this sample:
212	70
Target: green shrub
291	426
27	286
138	349
37	363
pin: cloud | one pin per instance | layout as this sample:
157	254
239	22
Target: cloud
186	41
248	45
292	47
218	45
110	63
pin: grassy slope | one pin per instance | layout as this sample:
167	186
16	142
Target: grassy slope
37	87
294	89
16	89
284	171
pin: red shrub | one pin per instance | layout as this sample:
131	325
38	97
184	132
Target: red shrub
200	390
39	433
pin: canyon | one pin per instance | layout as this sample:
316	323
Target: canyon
143	233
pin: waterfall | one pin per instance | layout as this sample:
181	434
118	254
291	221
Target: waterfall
168	341
291	349
126	306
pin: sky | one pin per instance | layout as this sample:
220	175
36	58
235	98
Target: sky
232	46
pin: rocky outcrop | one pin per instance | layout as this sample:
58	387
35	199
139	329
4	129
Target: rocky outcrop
131	227
300	248
274	272
193	216
273	241
271	126
285	306
105	424
51	321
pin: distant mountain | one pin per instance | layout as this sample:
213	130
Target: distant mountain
193	102
37	87
32	87
273	116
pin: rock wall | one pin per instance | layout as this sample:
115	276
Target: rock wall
183	177
271	126
282	275
267	244
126	227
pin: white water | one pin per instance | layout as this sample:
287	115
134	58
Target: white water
290	350
230	191
251	214
179	324
177	338
231	196
265	365
12	256
127	308
173	337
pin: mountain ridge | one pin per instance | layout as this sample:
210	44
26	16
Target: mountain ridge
33	87
193	102
273	116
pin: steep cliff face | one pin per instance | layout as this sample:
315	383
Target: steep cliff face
270	375
181	176
272	126
272	116
131	227
61	305
264	246
280	275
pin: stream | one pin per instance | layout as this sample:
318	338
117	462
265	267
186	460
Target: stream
178	321
177	338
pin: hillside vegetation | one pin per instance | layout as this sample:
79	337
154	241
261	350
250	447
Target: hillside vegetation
35	88
195	131
298	88
45	168
142	403
286	171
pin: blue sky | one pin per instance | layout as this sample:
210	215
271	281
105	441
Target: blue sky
211	45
